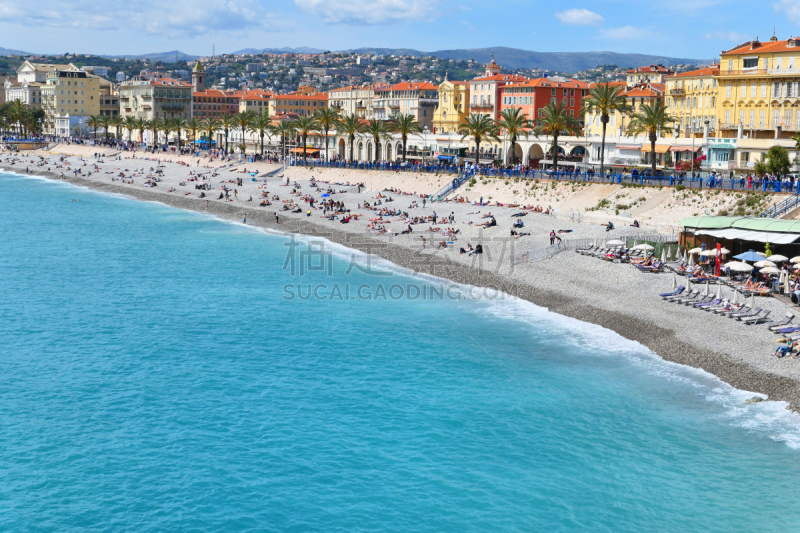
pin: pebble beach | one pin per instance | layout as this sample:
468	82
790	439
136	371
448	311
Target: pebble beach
614	296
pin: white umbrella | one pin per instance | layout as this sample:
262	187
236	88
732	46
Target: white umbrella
764	263
674	281
719	291
736	266
762	254
787	286
778	258
752	303
615	242
770	270
795	259
735	297
643	247
691	262
695	251
663	255
706	291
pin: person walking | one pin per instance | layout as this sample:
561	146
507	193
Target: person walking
552	237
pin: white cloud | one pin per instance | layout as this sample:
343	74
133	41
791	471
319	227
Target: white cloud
788	7
624	32
579	17
173	17
727	36
370	11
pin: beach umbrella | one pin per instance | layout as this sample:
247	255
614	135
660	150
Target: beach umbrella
688	285
706	291
752	303
326	195
762	254
749	256
778	258
769	270
795	259
669	252
696	251
674	281
735	297
736	266
643	247
719	291
764	263
663	255
615	242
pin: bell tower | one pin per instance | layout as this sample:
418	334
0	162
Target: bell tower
198	78
492	69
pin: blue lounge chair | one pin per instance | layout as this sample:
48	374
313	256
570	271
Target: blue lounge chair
676	292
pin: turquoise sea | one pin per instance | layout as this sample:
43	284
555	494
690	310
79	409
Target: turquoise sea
155	377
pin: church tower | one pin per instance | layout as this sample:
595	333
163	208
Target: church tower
198	78
492	69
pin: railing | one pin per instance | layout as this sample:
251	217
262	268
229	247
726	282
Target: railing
451	187
579	244
704	182
746	72
677	92
782	71
784	207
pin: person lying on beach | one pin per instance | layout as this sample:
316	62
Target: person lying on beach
433	230
442	244
519	214
782	351
489	224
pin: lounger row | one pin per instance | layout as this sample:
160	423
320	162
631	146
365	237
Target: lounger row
712	304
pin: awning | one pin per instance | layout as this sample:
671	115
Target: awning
721	147
629	147
308	150
754	236
660	148
683	149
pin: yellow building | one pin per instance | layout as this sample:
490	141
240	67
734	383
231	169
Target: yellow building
691	100
69	98
757	95
453	106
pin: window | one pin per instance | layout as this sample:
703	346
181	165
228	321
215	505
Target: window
753	91
553	92
721	157
730	66
764	90
775	118
743	90
778	62
727	116
728	91
741	116
776	89
554	100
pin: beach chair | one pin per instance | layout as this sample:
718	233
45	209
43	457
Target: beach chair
676	292
702	300
655	269
694	296
738	309
787	319
716	301
747	314
682	294
761	317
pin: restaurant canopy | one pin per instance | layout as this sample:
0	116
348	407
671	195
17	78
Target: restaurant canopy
660	148
771	230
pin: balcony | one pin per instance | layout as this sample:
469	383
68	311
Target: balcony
783	71
677	92
746	72
481	106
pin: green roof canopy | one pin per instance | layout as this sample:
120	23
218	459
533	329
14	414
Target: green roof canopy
771	225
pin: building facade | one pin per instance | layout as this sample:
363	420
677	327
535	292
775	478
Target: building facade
485	91
407	98
156	99
214	103
649	74
299	102
69	98
453	107
531	96
691	100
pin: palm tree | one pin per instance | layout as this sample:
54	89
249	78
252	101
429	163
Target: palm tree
261	125
653	121
178	125
304	126
327	118
604	99
479	127
242	120
227	123
94	123
129	124
140	127
193	125
378	130
150	125
405	125
210	125
105	122
516	124
117	122
167	126
284	129
555	121
351	126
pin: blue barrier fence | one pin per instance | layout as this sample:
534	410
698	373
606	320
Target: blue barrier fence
737	184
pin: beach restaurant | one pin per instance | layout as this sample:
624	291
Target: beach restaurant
740	234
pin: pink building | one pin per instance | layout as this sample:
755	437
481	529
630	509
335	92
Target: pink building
485	92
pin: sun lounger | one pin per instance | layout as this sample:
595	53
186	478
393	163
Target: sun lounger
752	312
761	317
703	300
654	269
787	318
741	309
676	292
786	330
707	304
695	296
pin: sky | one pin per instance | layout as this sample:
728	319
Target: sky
697	29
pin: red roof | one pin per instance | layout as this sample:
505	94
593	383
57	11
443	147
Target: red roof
550	82
169	82
502	77
409	86
789	45
713	70
653	90
652	68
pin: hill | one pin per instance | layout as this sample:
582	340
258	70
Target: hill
8	52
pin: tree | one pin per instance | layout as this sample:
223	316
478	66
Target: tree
129	124
327	118
404	125
378	131
211	125
284	129
149	125
351	126
117	122
516	124
261	125
166	127
777	160
480	127
303	126
651	120
242	120
603	99
105	122
227	123
94	123
178	125
140	128
193	125
555	121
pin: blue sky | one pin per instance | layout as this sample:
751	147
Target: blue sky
677	28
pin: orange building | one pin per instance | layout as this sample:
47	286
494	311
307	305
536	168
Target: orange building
256	101
300	103
531	96
215	103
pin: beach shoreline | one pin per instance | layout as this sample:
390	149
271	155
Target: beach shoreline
670	343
